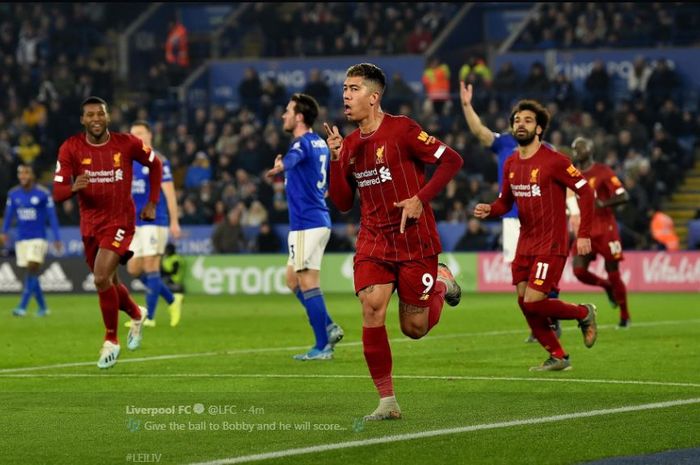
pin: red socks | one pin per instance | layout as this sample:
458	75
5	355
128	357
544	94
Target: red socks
586	277
126	303
375	342
109	305
541	329
619	292
436	303
556	308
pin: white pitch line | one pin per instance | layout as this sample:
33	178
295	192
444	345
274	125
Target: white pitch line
339	376
287	349
447	431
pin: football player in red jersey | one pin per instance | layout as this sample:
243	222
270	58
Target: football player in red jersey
384	160
605	238
96	164
536	177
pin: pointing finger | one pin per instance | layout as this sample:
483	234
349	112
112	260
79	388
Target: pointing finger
327	128
404	215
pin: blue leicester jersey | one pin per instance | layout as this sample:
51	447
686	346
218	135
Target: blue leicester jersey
504	145
306	182
140	188
31	208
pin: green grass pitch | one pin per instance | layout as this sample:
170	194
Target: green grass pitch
223	386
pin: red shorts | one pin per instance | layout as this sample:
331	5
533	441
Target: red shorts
608	245
542	272
112	238
414	279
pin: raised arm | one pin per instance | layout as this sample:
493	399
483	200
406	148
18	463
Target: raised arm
481	132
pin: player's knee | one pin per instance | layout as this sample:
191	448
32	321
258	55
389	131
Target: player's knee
102	281
611	266
579	271
413	330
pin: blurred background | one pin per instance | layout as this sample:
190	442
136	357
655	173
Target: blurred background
213	80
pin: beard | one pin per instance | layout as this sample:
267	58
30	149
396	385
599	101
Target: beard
98	134
524	139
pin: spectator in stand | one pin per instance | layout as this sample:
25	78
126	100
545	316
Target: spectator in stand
597	85
190	213
505	84
398	93
475	238
177	54
228	235
663	231
199	172
639	77
436	81
344	242
563	91
256	214
478	66
663	83
419	40
537	84
28	150
250	90
267	241
317	87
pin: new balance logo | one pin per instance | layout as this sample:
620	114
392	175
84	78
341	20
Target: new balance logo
55	279
385	174
8	280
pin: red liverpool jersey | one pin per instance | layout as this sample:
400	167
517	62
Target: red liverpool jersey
388	166
606	185
538	186
106	201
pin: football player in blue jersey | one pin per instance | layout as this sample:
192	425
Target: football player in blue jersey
306	181
503	145
32	205
151	237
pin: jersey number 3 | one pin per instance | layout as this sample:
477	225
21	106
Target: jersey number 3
324	172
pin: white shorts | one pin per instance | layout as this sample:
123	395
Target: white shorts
149	241
31	250
306	248
511	233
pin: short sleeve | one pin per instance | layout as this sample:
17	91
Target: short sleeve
167	171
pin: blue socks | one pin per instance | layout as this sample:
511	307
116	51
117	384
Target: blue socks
32	287
165	291
39	294
152	293
155	287
27	291
312	300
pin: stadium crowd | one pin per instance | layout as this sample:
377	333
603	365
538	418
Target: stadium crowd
219	154
620	24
